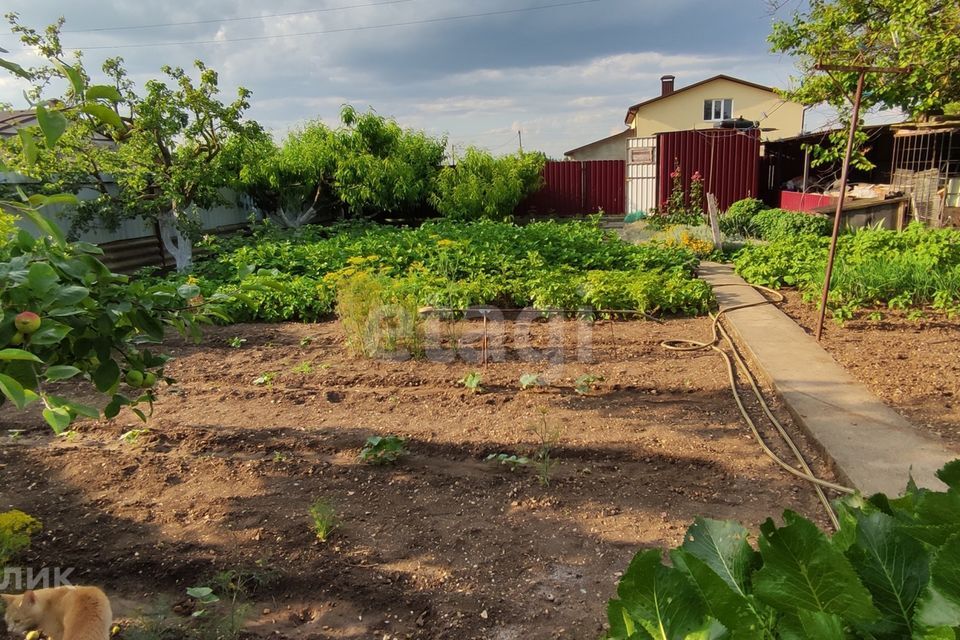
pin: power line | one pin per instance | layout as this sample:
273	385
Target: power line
219	20
342	29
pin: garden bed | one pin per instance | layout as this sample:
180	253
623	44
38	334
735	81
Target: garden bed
911	364
441	545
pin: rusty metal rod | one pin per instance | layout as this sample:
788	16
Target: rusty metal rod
844	177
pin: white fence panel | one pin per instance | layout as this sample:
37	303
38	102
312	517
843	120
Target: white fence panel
641	174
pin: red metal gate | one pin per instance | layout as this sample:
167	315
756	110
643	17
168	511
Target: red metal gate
577	188
727	159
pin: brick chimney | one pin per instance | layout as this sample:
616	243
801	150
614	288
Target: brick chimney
666	85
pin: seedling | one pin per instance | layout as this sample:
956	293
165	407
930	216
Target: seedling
279	457
547	439
472	382
324	519
204	597
14	434
529	380
383	449
305	342
304	368
131	437
585	383
511	461
236	342
265	379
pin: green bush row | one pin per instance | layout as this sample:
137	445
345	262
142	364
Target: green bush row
279	275
750	218
891	571
874	268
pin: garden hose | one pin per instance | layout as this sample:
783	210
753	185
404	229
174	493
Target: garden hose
719	333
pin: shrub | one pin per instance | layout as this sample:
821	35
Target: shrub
8	227
889	572
697	240
482	186
738	219
780	223
376	318
16	530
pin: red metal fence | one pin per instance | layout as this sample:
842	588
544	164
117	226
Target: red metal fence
576	188
727	159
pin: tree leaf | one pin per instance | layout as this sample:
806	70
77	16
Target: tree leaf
30	151
50	332
803	572
723	546
13	67
43	224
894	567
73	75
13	390
52	123
69	296
18	354
104	114
61	372
58	418
107	376
659	598
187	291
41	278
103	92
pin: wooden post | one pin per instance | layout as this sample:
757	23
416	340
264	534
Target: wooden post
713	213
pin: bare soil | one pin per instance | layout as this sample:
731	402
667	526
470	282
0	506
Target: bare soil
442	544
913	365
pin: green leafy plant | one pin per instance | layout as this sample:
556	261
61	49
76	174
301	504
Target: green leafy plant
304	368
875	268
236	342
775	224
133	435
888	572
531	380
509	460
383	449
265	379
16	530
737	220
472	381
478	185
323	519
585	383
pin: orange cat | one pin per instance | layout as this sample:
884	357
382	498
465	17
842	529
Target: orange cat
62	613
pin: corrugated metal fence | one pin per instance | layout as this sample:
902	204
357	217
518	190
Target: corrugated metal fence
577	188
727	159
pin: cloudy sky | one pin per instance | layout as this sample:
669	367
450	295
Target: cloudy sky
563	72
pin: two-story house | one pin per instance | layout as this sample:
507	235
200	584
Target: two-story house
701	105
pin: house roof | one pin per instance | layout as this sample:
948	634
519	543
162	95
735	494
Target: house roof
10	121
626	133
632	111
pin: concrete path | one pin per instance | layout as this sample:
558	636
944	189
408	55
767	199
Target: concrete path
872	447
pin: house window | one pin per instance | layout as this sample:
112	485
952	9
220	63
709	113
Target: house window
719	109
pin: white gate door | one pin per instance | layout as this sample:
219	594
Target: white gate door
641	174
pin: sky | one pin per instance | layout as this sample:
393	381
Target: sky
560	72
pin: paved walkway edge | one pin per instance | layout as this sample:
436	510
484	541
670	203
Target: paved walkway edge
871	446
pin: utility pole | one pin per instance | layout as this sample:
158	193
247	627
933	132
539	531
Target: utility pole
520	139
862	71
